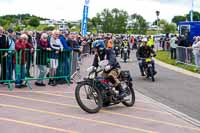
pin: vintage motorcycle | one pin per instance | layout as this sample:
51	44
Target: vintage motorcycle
95	92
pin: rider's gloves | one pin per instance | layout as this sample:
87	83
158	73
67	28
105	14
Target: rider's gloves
107	68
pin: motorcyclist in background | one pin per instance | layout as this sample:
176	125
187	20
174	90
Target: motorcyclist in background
125	43
117	45
145	51
112	70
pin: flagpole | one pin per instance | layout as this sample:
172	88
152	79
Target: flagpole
191	13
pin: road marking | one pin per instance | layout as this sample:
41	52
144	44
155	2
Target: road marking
78	118
36	125
70	105
174	112
110	112
56	92
70	97
149	110
56	95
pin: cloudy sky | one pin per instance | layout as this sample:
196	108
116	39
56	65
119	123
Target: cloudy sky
72	9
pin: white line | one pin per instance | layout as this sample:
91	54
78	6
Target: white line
173	111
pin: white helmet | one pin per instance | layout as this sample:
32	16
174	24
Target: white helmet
144	40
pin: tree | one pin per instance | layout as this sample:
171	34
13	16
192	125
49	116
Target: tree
113	21
167	27
48	28
34	22
177	19
70	25
138	24
196	16
17	28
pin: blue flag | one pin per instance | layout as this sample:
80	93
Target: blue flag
85	18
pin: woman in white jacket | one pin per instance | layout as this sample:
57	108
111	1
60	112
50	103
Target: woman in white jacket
196	51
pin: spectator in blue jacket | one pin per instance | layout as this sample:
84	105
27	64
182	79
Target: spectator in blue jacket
64	60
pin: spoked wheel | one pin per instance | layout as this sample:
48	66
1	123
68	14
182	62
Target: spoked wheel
88	97
129	100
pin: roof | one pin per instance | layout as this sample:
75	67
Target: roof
190	23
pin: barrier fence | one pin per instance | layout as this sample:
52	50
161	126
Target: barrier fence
185	55
23	66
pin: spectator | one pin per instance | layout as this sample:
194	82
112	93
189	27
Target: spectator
41	58
173	45
196	51
11	47
21	45
64	60
29	55
56	46
3	53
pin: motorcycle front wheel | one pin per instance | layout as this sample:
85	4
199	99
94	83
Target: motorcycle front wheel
88	97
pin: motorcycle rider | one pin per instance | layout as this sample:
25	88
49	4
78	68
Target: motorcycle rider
117	45
112	70
145	51
125	43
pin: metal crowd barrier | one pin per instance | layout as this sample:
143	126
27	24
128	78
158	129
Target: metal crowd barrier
25	66
86	50
74	64
185	55
77	59
7	67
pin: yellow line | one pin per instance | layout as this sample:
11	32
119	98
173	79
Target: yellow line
36	125
86	99
78	118
56	95
25	91
109	112
37	100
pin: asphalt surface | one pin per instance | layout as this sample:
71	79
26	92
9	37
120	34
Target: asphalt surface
174	89
54	110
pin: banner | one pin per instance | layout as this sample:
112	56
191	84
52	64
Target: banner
85	18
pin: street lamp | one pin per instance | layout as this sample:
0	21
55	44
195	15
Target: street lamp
157	14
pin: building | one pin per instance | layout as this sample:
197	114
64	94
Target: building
62	24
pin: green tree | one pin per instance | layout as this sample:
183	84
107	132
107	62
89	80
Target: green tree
3	22
48	28
114	21
138	24
17	28
34	22
70	25
167	27
177	19
196	16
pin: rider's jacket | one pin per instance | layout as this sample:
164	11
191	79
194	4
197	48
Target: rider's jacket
125	44
151	42
145	52
110	56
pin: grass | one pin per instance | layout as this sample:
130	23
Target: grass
165	56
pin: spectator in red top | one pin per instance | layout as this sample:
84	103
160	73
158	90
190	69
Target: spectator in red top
19	59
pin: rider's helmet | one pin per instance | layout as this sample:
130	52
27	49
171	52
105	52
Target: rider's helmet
144	40
98	44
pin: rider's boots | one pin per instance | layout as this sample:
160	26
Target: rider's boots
122	93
